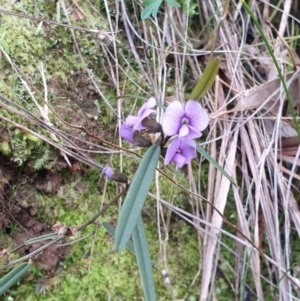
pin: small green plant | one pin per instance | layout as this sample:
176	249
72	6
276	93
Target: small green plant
5	147
152	7
12	228
29	148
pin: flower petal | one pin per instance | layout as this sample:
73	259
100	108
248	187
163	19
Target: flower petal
193	133
172	118
183	131
151	103
138	125
188	150
171	151
181	152
198	117
179	160
126	133
131	120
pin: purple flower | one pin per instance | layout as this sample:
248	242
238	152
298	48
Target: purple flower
134	137
126	132
115	175
109	172
188	121
146	109
180	151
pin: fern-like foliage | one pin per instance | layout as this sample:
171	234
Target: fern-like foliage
29	148
41	162
152	7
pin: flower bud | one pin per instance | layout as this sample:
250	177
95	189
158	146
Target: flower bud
115	175
151	125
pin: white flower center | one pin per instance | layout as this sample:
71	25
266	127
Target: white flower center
185	120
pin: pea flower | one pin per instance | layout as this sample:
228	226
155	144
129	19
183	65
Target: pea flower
145	111
134	137
126	132
115	175
108	171
188	121
181	151
136	126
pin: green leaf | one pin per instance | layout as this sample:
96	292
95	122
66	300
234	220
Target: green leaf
151	8
40	238
206	80
207	156
149	2
143	260
173	3
13	272
146	13
112	231
136	197
12	277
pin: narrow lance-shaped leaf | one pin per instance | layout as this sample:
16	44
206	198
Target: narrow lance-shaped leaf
206	80
112	231
41	238
12	277
143	260
201	151
12	273
136	197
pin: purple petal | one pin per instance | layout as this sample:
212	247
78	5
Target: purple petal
151	103
193	133
131	120
179	160
171	151
183	131
108	171
188	149
198	117
181	152
138	125
126	133
172	118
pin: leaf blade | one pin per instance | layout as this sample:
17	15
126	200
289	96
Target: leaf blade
207	156
112	231
12	277
151	8
173	3
207	79
136	197
41	238
143	260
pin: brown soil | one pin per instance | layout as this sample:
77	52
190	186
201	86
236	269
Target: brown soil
20	210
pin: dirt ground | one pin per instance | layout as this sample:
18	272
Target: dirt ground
20	209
